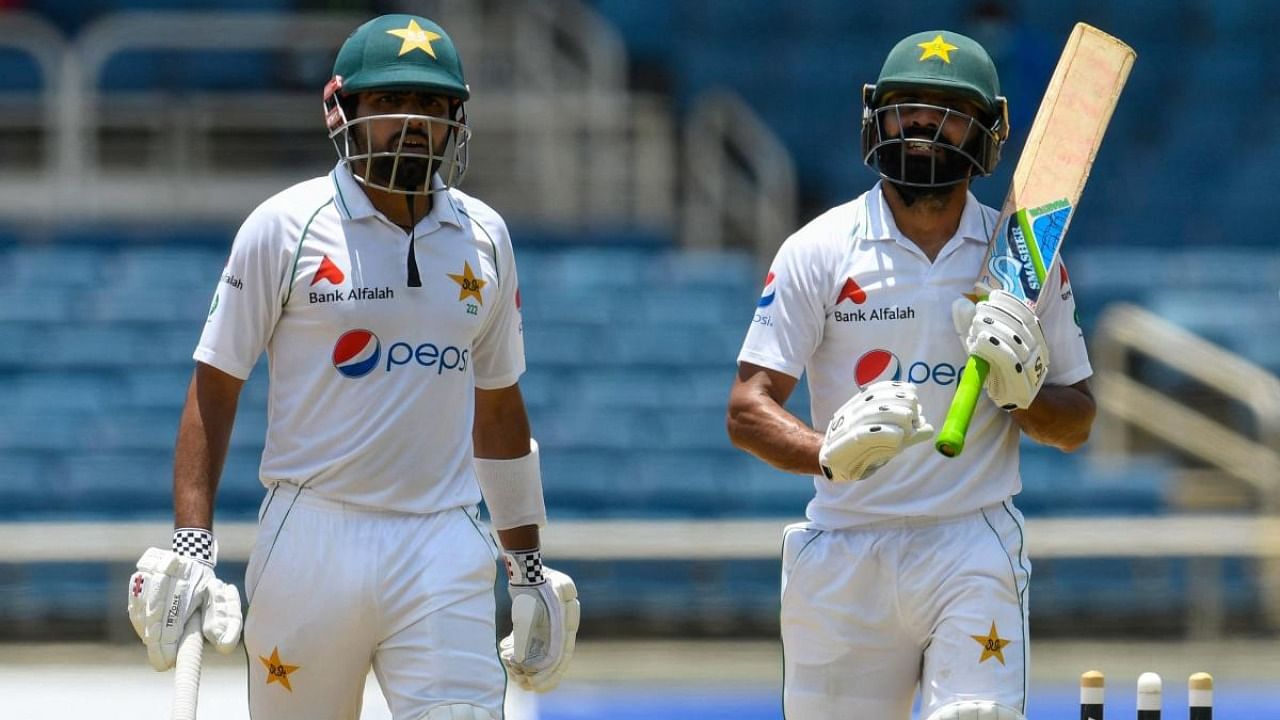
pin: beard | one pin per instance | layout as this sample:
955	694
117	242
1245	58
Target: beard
931	178
410	174
931	172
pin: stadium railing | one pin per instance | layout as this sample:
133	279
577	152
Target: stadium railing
1205	539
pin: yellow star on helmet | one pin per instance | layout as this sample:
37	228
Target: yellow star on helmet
938	48
415	38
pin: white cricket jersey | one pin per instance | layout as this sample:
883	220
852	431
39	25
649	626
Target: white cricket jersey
849	300
371	393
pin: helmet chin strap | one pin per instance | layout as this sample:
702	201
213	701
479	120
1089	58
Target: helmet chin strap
411	262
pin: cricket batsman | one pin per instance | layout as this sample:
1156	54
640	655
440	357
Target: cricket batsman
386	301
911	570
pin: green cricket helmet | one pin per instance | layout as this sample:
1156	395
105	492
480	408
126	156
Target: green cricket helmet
399	53
944	63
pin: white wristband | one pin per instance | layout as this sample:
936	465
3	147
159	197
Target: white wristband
512	490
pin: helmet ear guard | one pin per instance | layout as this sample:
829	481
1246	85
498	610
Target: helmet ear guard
335	116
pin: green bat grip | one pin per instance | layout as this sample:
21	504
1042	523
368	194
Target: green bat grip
951	438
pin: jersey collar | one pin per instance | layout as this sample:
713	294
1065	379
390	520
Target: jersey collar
880	225
354	204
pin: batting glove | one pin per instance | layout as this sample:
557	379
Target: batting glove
871	429
544	622
170	586
1003	331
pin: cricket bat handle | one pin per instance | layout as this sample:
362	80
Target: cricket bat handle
186	672
950	440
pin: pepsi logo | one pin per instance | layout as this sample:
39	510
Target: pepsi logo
356	353
876	365
880	364
767	295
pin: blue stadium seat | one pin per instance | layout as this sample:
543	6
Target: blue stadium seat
182	267
155	387
640	24
40	429
1056	483
43	389
148	303
30	266
19	72
121	484
178	72
25	478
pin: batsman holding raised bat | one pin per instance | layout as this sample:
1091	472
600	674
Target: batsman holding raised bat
911	570
386	300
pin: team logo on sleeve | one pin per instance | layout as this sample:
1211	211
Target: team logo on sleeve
767	295
356	353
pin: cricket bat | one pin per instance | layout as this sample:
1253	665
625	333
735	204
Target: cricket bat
186	671
1051	173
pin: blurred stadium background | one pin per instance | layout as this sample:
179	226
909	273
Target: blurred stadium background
649	156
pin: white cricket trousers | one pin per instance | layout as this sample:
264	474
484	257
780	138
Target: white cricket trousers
334	589
871	613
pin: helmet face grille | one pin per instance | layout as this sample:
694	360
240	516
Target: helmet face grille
409	163
937	161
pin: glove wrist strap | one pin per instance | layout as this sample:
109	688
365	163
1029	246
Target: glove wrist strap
524	567
197	544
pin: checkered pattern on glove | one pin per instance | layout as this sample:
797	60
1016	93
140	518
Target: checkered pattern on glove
197	544
524	567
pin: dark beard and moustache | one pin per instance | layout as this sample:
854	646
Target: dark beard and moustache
923	176
411	171
410	174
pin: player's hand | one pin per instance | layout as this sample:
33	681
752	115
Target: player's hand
871	429
544	623
163	594
1003	331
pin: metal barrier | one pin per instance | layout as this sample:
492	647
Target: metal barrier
1124	402
1205	540
740	182
559	139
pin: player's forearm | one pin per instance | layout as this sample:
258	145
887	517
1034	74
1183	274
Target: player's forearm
203	436
501	428
774	435
524	537
1060	416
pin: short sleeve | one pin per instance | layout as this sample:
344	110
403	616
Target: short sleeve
246	302
789	316
498	352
